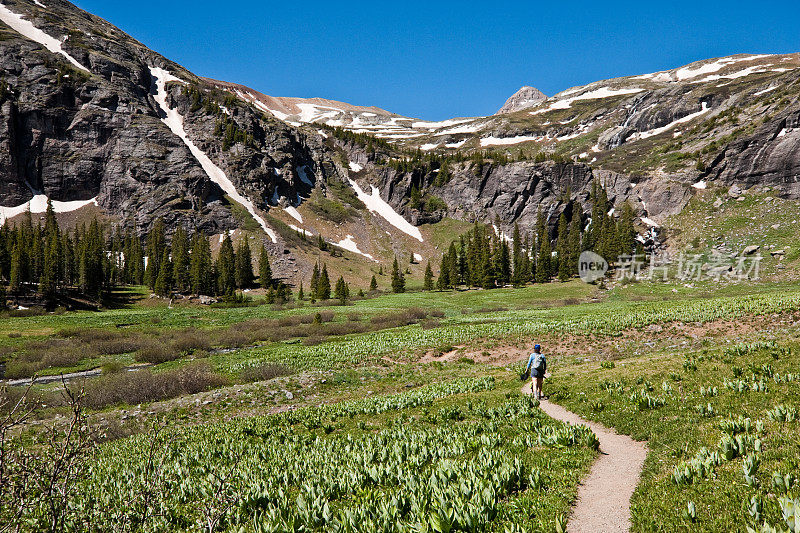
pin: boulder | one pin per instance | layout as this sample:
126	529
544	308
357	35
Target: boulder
750	250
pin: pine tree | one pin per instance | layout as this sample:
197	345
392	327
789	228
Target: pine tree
398	280
244	264
154	251
180	260
17	275
428	281
543	262
563	250
91	261
342	292
324	285
516	257
489	276
504	261
452	266
373	284
444	276
163	284
200	267
314	281
627	233
301	295
226	268
574	239
264	269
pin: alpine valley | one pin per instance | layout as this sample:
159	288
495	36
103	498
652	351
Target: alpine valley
100	125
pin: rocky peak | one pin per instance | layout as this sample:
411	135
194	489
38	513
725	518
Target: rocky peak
523	99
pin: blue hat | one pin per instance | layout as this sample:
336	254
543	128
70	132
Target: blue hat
537	347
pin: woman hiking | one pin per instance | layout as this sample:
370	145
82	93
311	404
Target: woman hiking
537	365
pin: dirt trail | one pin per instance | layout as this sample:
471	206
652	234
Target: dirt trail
604	496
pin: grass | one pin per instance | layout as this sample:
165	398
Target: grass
361	451
692	388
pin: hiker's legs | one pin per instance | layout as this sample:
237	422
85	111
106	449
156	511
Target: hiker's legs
538	392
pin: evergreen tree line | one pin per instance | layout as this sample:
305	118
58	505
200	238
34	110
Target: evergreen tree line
43	259
320	287
186	265
485	258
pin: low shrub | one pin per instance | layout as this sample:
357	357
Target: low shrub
264	372
155	352
147	386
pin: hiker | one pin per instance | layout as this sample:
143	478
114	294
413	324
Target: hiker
537	365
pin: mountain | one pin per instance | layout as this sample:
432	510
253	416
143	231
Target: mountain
525	98
94	120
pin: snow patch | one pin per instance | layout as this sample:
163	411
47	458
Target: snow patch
292	212
502	141
645	134
650	222
27	29
376	204
417	257
174	121
765	91
38	3
355	167
429	146
38	204
460	129
458	144
602	92
301	230
349	244
700	185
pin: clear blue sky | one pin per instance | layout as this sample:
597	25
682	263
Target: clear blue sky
435	60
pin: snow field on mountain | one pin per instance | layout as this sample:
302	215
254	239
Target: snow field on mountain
650	133
349	244
174	122
376	204
38	204
27	29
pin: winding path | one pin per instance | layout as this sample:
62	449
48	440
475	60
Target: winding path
604	496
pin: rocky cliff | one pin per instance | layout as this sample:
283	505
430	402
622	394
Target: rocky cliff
525	98
87	112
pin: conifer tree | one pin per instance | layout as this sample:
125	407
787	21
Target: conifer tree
180	260
301	295
314	282
324	285
627	233
226	268
452	266
444	276
201	269
163	284
264	269
516	256
373	284
342	292
543	262
563	250
244	264
574	239
428	280
154	251
398	280
17	268
463	271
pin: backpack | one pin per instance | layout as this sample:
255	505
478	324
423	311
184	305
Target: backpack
538	362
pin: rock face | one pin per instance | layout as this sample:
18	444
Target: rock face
74	135
525	98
